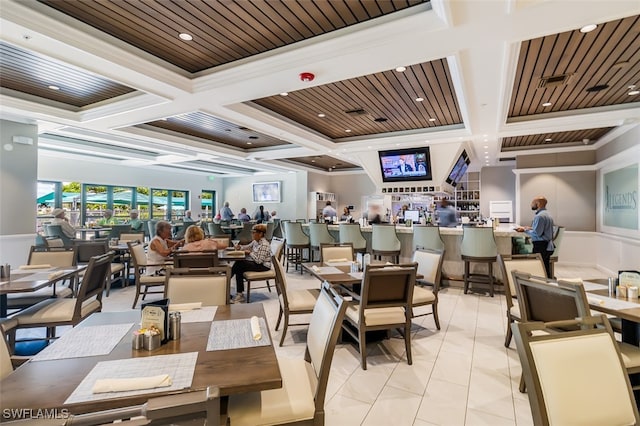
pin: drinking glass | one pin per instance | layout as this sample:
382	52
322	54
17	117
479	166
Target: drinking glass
235	243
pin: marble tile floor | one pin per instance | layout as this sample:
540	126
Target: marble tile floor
461	375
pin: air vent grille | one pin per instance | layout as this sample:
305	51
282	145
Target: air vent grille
358	111
555	81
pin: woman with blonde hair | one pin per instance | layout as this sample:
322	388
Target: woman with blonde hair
195	241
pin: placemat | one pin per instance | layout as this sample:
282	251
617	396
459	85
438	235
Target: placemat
356	275
86	341
589	286
41	275
179	367
611	303
235	334
204	314
326	270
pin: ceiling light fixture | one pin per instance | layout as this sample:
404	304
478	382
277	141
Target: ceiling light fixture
547	104
307	76
401	69
52	87
284	94
348	130
486	146
419	99
548	140
321	115
432	119
588	28
633	92
185	36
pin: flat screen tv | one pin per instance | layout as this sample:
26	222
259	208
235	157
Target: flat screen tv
459	169
404	165
266	192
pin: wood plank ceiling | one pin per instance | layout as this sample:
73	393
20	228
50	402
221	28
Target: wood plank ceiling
546	140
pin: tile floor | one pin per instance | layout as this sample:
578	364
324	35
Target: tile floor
461	375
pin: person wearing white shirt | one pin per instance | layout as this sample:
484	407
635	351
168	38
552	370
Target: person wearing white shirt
329	211
65	226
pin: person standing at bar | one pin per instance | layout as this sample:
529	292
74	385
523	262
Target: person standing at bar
541	231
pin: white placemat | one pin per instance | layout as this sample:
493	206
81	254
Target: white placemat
235	334
204	314
325	270
589	286
179	367
41	275
611	303
357	275
86	341
338	263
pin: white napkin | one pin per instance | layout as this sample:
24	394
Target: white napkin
184	306
315	268
56	274
255	328
43	266
235	253
131	384
338	260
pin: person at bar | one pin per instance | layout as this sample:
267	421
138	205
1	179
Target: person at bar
541	231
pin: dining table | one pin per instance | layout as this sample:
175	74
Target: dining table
627	310
211	351
96	231
31	280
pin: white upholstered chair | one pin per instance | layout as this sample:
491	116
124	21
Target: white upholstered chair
478	246
385	242
430	267
143	282
351	233
336	252
304	382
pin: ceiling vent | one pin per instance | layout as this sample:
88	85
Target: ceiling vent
507	159
555	81
358	111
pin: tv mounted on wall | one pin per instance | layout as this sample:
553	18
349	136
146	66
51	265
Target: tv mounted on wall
459	169
266	192
404	165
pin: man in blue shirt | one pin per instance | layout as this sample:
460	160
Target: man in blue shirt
541	231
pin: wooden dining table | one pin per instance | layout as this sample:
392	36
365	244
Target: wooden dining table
48	384
20	282
627	310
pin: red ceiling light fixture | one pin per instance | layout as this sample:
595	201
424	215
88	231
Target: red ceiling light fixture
307	76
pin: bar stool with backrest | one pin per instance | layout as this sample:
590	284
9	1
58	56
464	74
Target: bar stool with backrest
427	237
297	243
269	233
318	235
478	246
351	233
245	236
557	241
385	242
277	228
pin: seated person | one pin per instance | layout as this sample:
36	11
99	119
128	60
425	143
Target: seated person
274	215
136	224
160	248
194	240
187	217
261	215
60	219
346	214
259	259
243	216
107	219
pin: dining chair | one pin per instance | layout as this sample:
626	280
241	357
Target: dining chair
297	243
351	233
245	236
53	243
222	241
56	231
427	237
143	282
557	242
478	246
277	247
304	381
116	230
199	407
567	386
546	300
383	304
530	263
277	228
51	313
85	250
196	259
385	242
126	237
336	252
429	263
210	286
291	302
151	227
6	363
318	235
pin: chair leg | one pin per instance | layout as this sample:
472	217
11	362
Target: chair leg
523	386
507	338
466	276
284	328
362	343
268	286
491	279
407	341
279	318
248	291
435	315
135	299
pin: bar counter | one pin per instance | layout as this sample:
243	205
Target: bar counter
453	266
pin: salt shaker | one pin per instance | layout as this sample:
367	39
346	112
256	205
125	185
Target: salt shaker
632	293
612	286
175	320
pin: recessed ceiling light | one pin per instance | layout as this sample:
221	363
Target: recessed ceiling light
348	130
547	104
313	161
185	36
588	28
432	119
401	69
486	156
419	99
249	143
486	146
633	92
52	87
548	140
321	115
284	94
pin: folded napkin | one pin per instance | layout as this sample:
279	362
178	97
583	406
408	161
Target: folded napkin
315	268
255	328
235	253
338	260
56	274
131	383
185	306
43	266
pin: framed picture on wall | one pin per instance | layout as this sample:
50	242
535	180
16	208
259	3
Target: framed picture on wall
266	192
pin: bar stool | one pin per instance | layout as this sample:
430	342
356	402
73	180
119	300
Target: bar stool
318	235
297	242
351	233
385	242
478	245
427	237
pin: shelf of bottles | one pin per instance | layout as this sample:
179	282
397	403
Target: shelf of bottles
467	195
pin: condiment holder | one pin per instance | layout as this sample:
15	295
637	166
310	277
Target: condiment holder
152	341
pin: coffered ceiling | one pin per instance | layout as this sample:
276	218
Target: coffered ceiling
208	85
